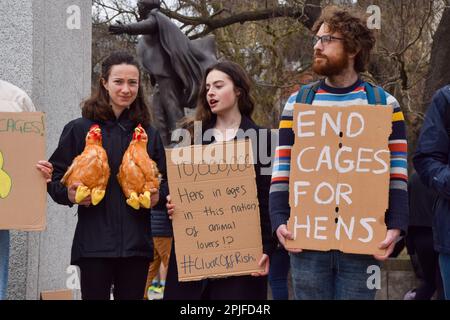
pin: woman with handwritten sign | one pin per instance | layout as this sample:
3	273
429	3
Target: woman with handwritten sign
112	243
225	107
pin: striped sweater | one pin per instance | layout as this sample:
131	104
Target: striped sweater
397	213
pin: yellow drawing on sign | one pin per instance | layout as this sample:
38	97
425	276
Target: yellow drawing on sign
5	180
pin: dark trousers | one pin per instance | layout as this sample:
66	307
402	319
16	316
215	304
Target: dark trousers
231	288
278	274
128	275
420	242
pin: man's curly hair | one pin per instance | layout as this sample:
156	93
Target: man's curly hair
357	36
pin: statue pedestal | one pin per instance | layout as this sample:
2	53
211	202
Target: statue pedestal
46	50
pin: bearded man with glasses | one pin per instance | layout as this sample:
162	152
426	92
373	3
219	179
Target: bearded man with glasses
342	46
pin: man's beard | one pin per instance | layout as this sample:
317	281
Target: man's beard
329	68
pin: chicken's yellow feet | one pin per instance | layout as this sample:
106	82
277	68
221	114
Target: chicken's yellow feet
97	196
144	200
82	192
133	201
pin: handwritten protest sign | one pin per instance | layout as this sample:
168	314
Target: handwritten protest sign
339	182
216	220
23	192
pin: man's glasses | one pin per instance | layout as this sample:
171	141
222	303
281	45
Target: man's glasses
325	39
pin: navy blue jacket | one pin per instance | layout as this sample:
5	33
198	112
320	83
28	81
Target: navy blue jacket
431	161
110	229
161	224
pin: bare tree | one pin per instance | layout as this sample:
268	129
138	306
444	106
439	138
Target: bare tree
271	39
263	36
439	74
218	14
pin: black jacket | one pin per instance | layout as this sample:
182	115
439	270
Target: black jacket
421	202
262	180
111	228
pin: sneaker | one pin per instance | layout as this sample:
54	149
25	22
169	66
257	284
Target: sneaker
410	295
150	289
159	289
155	293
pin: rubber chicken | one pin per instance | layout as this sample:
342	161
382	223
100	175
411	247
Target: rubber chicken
90	168
138	173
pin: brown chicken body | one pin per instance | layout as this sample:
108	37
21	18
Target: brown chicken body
90	169
138	173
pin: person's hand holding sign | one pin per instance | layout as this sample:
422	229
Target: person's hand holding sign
170	207
46	169
264	262
283	234
388	244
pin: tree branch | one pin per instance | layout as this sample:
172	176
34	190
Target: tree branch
307	14
422	27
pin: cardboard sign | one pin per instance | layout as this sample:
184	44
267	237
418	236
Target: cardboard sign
23	191
216	220
339	183
63	294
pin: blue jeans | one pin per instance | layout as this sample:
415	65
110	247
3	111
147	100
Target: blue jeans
4	262
331	275
444	264
278	273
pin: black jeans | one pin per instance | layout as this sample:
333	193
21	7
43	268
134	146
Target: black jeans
128	275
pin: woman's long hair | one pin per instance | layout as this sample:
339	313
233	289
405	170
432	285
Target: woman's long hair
97	106
242	84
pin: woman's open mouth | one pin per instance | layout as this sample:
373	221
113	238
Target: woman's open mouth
213	103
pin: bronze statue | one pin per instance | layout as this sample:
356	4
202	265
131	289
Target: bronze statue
175	63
